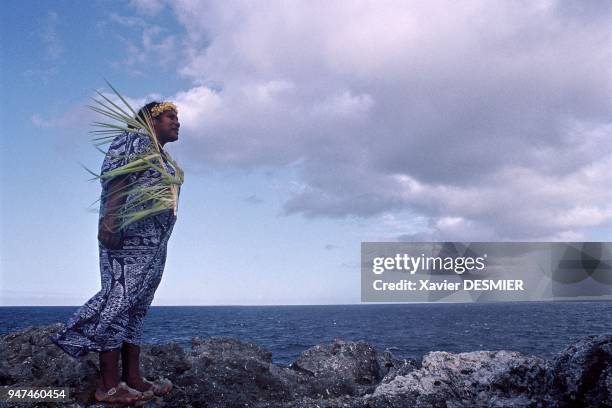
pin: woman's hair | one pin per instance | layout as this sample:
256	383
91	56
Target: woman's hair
141	115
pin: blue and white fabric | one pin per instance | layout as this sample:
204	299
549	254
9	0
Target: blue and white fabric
129	275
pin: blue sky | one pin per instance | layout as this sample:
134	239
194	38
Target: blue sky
307	128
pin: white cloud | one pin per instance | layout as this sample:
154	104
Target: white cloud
148	7
490	120
50	36
154	45
344	104
40	122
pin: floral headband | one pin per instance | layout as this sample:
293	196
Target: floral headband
162	107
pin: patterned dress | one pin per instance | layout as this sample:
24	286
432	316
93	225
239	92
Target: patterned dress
130	275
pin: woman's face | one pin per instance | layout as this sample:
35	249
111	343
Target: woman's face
166	126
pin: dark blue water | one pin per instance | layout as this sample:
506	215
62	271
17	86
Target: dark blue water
408	330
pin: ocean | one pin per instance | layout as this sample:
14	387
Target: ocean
407	330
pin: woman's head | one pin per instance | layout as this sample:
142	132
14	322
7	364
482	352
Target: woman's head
164	118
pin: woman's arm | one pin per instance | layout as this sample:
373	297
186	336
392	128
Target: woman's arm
108	229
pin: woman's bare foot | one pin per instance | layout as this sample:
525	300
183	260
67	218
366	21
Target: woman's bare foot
121	394
130	356
159	388
139	384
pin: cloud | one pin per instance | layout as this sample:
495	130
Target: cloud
148	7
490	121
50	37
42	123
77	117
253	199
80	117
154	45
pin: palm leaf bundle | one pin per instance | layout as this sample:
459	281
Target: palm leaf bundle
144	200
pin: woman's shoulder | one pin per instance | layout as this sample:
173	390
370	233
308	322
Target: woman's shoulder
133	141
140	142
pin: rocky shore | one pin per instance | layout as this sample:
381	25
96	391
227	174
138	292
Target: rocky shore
226	372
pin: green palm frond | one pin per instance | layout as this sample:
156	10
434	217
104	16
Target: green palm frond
141	201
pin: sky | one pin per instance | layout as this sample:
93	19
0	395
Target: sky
306	129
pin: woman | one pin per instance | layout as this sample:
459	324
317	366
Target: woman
132	259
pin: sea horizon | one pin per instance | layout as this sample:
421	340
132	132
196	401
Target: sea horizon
574	300
407	330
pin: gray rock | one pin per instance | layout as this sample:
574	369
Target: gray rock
475	379
583	373
395	367
29	358
225	372
344	368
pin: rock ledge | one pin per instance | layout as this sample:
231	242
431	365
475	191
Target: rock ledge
226	372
